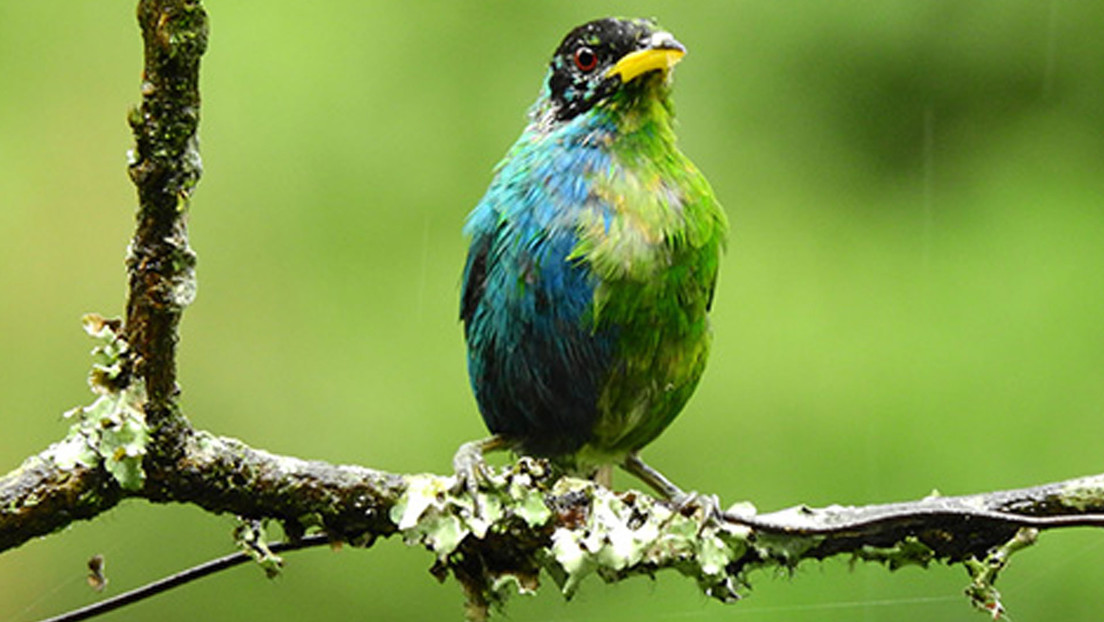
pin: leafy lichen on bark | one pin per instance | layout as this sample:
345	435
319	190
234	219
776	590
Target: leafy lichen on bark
527	522
983	572
1080	493
113	427
504	543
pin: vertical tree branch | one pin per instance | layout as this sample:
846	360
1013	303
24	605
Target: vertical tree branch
165	167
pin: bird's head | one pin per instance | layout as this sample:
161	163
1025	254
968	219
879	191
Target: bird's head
604	58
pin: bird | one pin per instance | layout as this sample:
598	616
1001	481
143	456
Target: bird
592	265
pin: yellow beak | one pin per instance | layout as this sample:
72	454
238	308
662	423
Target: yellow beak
636	63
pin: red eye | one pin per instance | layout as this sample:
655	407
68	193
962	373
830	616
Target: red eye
585	59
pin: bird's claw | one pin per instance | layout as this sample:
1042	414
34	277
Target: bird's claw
694	502
470	468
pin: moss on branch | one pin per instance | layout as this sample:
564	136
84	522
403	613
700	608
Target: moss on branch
165	167
532	524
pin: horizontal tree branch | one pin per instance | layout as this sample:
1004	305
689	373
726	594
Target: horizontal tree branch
221	474
529	520
47	492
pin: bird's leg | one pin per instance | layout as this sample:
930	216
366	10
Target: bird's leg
710	504
659	483
469	466
604	476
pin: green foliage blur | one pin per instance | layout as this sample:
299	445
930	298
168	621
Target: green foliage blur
911	300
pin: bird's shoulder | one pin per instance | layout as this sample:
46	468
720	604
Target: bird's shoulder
542	186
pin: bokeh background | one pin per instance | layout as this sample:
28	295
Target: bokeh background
912	298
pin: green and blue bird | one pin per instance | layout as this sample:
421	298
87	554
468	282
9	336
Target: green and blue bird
593	261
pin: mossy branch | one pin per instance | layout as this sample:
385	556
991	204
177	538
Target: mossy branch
531	521
165	167
133	441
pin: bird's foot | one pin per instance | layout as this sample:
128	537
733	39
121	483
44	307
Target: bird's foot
471	470
604	476
709	505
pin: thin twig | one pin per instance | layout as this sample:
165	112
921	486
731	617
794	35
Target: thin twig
176	580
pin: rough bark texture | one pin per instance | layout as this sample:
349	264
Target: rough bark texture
165	167
40	497
220	474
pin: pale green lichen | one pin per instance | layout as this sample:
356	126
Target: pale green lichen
982	592
788	549
74	450
112	428
251	538
908	552
526	504
578	529
1085	493
122	434
633	533
573	559
428	514
109	352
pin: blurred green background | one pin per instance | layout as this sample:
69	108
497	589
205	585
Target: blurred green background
912	297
